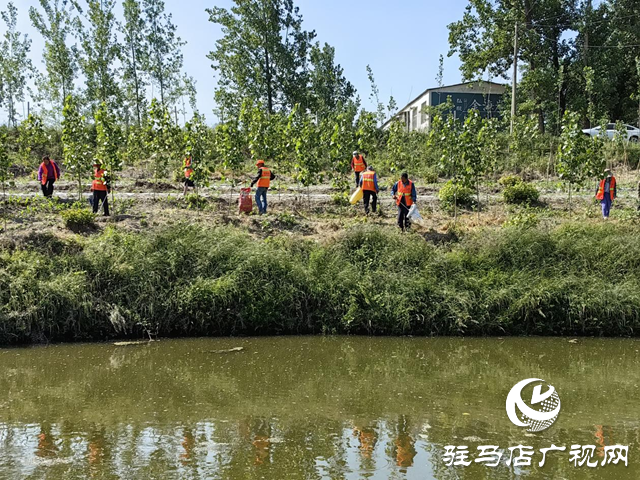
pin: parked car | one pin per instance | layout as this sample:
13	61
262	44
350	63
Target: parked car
633	133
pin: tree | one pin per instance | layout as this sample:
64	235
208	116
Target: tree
375	97
198	146
134	56
161	139
15	66
328	86
100	53
262	55
579	157
5	164
31	134
164	59
108	141
75	142
54	24
484	39
471	152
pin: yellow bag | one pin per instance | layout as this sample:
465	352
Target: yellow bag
357	196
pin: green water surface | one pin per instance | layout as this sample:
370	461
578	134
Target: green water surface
309	408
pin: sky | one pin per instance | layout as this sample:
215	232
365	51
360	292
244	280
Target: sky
400	40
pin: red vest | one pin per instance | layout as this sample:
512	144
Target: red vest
265	178
612	187
358	164
368	183
45	171
404	191
98	182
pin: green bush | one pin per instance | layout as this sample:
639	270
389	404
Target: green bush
76	218
509	180
430	175
521	193
523	220
464	197
195	202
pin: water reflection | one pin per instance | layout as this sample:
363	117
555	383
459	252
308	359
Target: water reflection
307	408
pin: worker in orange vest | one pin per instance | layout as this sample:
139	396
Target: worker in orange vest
607	192
188	172
263	179
358	165
404	192
369	185
100	188
48	173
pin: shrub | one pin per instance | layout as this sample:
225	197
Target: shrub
509	180
196	202
77	218
521	193
447	195
523	220
430	175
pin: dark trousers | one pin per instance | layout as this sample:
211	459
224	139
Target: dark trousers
261	199
101	198
403	220
369	196
47	188
357	178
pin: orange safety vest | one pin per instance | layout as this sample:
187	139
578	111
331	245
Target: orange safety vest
99	183
265	178
187	167
368	183
45	171
404	191
612	187
358	164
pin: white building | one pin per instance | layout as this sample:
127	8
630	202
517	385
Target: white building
481	95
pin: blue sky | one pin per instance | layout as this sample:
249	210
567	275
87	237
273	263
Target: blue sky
401	40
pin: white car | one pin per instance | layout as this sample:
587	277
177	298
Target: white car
633	133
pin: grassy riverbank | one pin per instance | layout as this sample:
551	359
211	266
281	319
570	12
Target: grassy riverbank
191	281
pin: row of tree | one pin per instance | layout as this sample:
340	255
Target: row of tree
575	55
117	61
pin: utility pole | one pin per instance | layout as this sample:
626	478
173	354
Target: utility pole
515	77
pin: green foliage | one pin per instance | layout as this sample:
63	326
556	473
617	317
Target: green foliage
522	220
78	218
31	135
229	145
509	180
135	53
521	193
198	146
579	157
163	140
75	141
454	194
108	141
15	65
512	281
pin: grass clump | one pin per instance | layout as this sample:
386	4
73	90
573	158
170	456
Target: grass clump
78	218
521	193
509	180
452	193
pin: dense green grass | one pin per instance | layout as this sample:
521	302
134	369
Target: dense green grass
188	281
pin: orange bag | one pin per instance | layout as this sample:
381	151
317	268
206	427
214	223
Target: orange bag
245	203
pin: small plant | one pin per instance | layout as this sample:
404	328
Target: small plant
430	175
451	191
195	201
78	218
521	193
509	180
523	220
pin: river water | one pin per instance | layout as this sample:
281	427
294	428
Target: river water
311	408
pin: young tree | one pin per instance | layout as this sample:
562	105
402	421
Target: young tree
100	53
164	56
328	86
198	146
15	66
31	134
134	56
108	141
5	164
375	97
262	55
579	157
75	142
161	139
54	24
473	161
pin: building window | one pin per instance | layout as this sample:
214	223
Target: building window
423	112
414	118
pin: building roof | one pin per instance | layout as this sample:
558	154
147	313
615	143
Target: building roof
443	88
